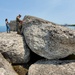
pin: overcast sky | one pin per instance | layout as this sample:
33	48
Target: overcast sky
57	11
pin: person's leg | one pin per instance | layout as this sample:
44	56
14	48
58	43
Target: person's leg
21	29
17	27
7	28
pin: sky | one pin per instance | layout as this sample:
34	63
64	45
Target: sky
57	11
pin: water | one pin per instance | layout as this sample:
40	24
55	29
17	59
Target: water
71	27
2	28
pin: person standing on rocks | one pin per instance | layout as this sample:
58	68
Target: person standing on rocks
7	25
18	24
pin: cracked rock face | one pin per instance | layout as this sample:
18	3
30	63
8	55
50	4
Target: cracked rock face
5	67
13	47
47	39
52	67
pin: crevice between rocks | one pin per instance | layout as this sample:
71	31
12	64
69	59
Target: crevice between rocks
70	57
33	56
22	68
25	66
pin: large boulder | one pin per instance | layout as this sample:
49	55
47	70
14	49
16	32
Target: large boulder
52	67
14	48
5	67
48	39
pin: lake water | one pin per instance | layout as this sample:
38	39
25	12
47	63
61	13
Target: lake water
2	28
71	27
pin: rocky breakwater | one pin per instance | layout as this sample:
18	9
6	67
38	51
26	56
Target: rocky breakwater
40	38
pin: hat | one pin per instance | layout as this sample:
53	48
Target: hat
19	15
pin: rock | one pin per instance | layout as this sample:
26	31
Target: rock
5	67
13	47
20	70
34	20
12	25
52	67
48	39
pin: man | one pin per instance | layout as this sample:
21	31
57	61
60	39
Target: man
18	24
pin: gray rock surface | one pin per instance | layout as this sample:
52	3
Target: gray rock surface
52	67
48	39
12	25
5	67
13	47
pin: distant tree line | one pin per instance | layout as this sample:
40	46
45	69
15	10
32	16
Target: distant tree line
69	25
